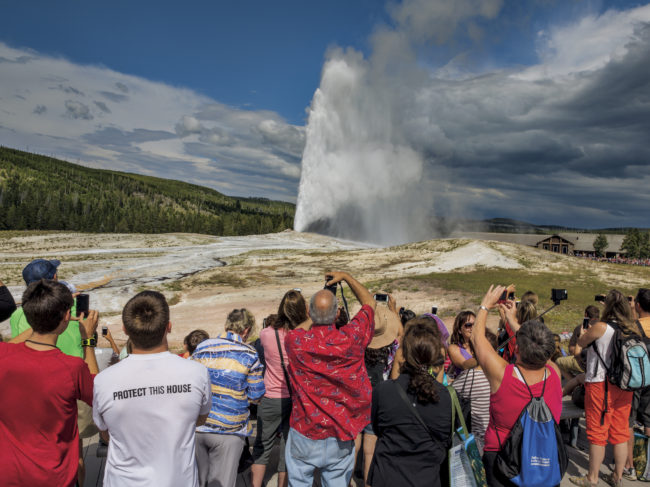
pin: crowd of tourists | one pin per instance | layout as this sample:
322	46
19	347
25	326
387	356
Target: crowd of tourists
382	389
614	260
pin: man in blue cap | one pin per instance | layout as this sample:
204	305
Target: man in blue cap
69	341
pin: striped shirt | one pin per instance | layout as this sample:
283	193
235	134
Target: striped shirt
236	377
479	393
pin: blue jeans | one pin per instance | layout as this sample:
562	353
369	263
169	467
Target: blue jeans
334	458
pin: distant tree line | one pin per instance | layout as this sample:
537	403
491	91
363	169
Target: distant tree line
42	193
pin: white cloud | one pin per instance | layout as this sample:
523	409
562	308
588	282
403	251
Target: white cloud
103	118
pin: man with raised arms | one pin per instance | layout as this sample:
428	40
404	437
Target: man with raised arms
150	403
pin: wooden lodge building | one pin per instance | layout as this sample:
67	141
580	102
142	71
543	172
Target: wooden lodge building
561	243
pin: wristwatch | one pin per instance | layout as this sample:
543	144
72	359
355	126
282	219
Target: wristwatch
485	308
89	342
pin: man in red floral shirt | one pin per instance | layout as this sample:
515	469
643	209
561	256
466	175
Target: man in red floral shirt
331	390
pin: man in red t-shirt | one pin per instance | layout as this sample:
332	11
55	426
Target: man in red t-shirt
40	387
331	390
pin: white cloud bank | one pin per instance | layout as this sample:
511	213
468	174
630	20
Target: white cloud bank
105	119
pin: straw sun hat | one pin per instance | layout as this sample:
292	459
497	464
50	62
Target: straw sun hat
387	326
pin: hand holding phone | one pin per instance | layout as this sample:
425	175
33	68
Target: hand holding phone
381	298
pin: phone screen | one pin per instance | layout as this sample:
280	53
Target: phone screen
382	298
83	304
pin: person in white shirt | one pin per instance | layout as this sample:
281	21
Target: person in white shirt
150	402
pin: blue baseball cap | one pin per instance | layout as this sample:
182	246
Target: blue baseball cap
40	269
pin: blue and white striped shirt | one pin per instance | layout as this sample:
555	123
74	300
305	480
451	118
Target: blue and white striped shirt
236	378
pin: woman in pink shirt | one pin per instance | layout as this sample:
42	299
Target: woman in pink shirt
509	383
274	410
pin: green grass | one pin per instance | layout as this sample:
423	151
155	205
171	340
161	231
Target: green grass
581	288
223	280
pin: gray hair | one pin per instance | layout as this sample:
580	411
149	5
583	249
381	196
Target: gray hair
536	344
323	316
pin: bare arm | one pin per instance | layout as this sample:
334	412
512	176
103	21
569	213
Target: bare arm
593	332
492	364
87	328
110	340
359	290
509	309
458	359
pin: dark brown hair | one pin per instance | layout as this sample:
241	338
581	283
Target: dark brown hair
461	318
193	339
291	312
421	348
45	304
145	319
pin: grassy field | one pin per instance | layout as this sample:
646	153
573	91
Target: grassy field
581	287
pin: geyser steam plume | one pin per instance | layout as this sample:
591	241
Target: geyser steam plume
359	179
363	167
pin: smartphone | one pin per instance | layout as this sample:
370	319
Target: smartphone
585	323
600	298
104	330
511	296
381	298
434	310
83	305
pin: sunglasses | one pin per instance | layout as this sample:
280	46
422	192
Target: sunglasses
468	325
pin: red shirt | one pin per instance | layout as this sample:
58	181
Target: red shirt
39	438
511	398
331	389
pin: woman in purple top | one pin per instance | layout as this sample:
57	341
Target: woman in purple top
460	349
274	410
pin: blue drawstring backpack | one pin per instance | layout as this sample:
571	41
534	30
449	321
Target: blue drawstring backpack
534	454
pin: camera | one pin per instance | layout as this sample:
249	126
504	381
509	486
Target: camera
599	298
104	330
585	323
331	288
83	305
381	298
434	310
558	295
506	296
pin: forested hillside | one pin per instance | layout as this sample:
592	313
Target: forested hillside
42	193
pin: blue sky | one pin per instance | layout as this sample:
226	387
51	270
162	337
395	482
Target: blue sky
219	94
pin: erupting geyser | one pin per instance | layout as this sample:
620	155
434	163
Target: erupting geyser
360	179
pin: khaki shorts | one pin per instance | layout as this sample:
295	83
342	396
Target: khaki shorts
85	423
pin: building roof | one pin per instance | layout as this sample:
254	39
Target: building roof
583	242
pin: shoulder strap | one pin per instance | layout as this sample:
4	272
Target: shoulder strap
456	410
284	368
402	394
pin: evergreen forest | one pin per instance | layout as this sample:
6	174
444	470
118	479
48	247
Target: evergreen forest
43	193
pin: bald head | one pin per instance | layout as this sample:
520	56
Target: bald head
323	308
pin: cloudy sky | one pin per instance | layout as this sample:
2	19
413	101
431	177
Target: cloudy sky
537	110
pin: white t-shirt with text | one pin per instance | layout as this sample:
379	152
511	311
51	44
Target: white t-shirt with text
149	403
